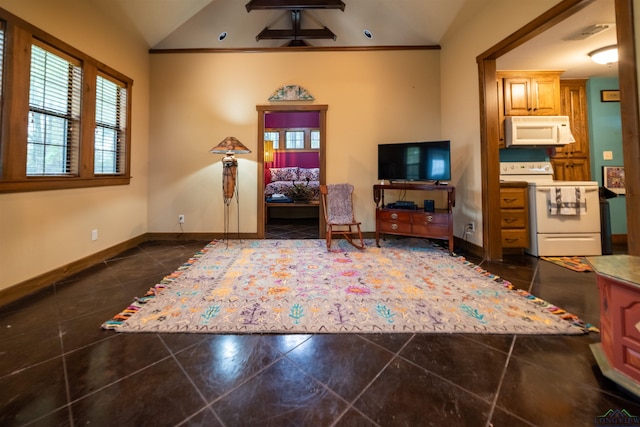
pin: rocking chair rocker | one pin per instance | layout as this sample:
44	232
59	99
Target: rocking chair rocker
338	214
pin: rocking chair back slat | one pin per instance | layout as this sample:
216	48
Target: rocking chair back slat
338	211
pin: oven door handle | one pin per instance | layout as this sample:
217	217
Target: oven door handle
546	190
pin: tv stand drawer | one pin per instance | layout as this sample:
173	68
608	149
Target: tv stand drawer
412	222
394	216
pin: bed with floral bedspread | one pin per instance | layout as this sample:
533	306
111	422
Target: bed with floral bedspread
294	182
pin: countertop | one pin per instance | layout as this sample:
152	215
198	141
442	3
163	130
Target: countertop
625	268
513	184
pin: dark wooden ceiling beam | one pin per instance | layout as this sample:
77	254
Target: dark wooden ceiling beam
321	33
294	4
296	33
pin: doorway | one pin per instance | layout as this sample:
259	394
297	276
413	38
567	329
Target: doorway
492	246
281	114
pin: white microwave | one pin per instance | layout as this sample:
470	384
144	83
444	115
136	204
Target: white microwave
545	131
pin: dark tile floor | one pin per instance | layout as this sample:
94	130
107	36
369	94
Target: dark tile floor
58	368
298	228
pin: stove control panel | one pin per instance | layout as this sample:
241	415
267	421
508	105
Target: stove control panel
526	168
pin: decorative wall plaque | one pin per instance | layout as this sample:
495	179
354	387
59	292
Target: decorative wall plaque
291	93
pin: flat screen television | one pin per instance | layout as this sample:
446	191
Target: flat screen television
415	161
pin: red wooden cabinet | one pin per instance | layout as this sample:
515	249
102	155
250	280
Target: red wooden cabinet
618	353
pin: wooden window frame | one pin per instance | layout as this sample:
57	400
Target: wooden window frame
307	138
19	36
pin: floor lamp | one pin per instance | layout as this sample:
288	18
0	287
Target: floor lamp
230	146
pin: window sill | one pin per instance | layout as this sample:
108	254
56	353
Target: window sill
51	183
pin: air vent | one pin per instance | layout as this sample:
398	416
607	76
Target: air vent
589	31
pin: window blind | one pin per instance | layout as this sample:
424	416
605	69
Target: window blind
111	121
54	114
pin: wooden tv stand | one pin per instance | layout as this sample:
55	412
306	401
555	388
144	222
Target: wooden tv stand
414	222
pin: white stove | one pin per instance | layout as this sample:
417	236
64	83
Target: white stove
526	171
570	233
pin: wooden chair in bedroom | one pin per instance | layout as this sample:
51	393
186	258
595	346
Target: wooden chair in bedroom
338	214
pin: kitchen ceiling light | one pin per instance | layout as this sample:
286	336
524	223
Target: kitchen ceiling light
606	55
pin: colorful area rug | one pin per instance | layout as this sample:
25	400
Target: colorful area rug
574	263
297	286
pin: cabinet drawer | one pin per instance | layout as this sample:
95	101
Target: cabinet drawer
399	216
431	230
430	218
515	239
512	198
513	218
394	226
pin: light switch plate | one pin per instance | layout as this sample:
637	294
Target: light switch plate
607	155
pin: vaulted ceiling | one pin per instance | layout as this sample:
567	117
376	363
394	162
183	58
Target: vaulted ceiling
255	24
184	24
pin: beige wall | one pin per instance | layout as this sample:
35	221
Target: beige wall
199	99
477	28
41	231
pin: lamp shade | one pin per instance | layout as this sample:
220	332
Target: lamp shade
268	151
606	55
230	145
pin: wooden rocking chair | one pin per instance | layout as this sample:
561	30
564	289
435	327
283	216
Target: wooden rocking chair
338	213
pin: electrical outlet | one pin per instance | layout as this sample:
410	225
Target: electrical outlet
181	219
471	227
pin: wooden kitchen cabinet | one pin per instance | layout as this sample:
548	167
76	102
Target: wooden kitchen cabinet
571	162
531	93
514	214
570	169
573	103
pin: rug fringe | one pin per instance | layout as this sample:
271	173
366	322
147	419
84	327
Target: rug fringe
138	302
571	318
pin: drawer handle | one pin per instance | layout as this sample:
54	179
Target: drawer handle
509	200
394	216
394	226
429	218
510	220
511	240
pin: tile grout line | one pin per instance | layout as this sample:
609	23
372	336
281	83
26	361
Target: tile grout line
207	405
494	402
366	387
67	386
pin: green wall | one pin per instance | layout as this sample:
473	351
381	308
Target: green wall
605	134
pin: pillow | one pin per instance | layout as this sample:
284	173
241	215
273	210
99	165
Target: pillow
312	174
284	174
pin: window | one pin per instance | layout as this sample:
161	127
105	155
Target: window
315	139
273	136
111	119
54	114
65	116
294	139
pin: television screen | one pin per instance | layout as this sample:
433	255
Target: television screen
415	161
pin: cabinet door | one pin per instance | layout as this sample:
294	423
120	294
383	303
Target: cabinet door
517	97
571	169
573	103
545	93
